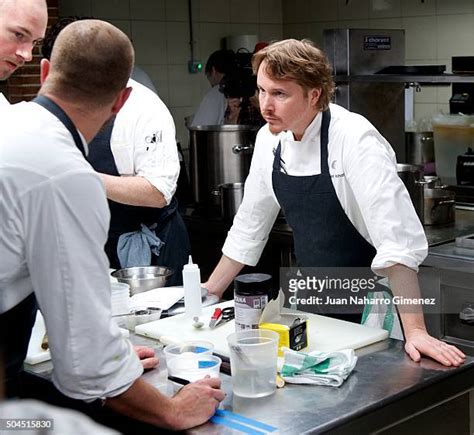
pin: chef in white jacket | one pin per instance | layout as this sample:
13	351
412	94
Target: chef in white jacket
335	178
22	26
54	226
211	109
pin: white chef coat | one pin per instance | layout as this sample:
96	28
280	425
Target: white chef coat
53	227
143	140
211	110
3	101
362	165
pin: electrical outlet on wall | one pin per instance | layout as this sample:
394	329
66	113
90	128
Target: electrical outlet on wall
195	66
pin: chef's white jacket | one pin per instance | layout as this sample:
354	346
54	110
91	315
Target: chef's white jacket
54	220
211	110
143	140
362	165
3	101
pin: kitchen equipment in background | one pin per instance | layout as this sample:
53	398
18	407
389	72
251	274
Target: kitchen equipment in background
238	42
413	69
218	155
439	206
465	169
412	177
230	197
420	149
363	52
453	135
142	279
462	100
449	279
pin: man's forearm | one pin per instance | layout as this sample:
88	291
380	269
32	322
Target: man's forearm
223	274
404	282
133	190
145	403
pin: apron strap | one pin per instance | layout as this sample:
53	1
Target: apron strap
324	141
52	107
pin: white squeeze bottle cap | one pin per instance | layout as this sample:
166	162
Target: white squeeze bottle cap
192	289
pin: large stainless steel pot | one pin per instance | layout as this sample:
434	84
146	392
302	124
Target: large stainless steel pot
439	206
231	195
419	147
412	177
218	155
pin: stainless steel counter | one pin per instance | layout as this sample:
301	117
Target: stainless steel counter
464	224
385	388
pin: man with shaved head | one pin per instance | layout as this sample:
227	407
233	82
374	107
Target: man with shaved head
53	230
22	26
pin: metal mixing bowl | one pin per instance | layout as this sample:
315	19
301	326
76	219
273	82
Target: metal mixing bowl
142	279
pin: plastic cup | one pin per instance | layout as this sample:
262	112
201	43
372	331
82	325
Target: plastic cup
253	361
195	347
193	366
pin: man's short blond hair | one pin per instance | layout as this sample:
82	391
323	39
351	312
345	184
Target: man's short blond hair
91	63
298	61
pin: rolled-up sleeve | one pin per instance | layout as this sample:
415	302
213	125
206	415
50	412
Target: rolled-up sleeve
387	210
65	224
258	211
156	154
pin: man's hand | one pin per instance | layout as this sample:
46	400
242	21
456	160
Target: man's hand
147	356
419	342
196	403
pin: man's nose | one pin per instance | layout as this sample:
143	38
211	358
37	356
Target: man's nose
265	103
25	52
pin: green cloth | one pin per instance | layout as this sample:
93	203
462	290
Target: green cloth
318	368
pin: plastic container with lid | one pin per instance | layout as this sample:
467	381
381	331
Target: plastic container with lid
251	294
453	134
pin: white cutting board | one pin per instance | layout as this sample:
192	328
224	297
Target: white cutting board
325	334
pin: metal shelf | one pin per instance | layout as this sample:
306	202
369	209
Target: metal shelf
443	79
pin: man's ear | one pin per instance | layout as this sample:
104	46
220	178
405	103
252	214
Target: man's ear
44	69
121	100
314	95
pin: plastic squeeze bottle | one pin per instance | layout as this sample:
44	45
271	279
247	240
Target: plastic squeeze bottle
192	289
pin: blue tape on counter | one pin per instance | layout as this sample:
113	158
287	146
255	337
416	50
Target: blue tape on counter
233	425
231	416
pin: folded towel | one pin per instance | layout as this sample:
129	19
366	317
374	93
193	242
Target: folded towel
318	368
135	248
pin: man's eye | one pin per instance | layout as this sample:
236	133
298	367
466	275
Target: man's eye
20	36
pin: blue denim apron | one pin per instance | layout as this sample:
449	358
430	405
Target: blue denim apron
16	324
126	218
323	234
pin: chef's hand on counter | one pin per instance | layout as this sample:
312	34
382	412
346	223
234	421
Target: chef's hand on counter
193	405
147	356
197	402
419	342
224	273
404	282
